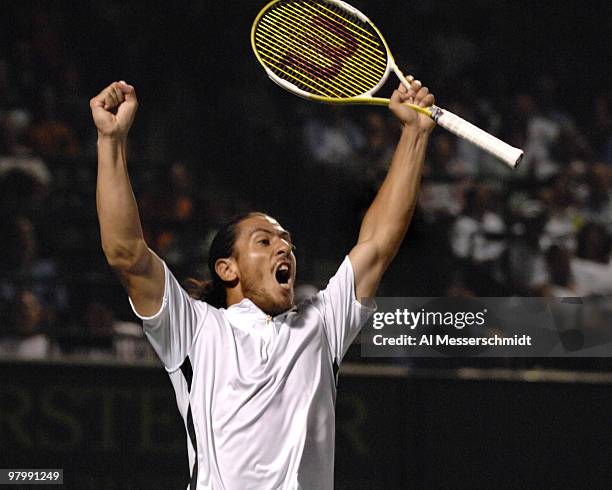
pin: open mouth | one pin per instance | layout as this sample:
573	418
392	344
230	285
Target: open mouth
283	275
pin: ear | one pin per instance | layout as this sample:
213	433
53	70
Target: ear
226	269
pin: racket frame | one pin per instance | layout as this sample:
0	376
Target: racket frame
367	98
508	154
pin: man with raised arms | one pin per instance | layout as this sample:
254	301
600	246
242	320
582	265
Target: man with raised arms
254	374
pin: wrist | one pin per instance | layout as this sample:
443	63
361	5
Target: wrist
112	138
415	131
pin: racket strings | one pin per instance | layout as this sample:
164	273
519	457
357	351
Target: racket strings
332	25
305	83
320	48
348	77
296	39
332	31
341	16
298	63
301	65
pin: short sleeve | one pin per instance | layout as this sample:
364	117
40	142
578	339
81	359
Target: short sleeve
343	316
172	329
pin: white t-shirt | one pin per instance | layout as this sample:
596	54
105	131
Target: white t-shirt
257	393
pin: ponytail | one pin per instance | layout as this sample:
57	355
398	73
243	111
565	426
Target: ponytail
211	291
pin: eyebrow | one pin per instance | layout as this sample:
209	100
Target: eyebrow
283	234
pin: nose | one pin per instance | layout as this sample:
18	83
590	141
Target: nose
284	248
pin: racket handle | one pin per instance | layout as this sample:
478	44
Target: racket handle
456	125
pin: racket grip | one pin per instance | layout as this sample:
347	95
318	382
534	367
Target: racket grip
456	125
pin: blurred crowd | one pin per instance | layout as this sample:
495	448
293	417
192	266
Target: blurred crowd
480	228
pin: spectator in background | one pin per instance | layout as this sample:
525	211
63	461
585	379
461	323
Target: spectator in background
334	141
524	264
170	231
105	337
24	330
442	159
51	136
447	163
591	266
598	203
441	200
563	217
22	268
478	238
561	281
15	127
585	273
380	136
24	178
541	132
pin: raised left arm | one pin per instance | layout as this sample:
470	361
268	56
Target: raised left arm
386	221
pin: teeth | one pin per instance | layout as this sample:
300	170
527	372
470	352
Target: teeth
283	268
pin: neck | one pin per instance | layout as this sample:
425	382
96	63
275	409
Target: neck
234	295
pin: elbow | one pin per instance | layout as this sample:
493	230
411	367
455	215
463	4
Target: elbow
386	253
382	251
127	258
385	243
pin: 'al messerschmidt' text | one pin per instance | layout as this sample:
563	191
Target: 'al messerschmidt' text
413	340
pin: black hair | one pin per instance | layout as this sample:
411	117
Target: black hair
213	290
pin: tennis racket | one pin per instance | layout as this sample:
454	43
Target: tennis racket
328	51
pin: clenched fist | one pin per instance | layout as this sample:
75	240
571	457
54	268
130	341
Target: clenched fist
114	109
417	95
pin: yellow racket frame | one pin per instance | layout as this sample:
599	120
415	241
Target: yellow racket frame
367	98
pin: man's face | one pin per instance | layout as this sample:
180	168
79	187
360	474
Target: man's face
266	263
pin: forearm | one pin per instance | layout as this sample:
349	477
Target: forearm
388	217
120	228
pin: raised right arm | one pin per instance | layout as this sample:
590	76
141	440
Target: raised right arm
141	272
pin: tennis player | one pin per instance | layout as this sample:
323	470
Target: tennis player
254	374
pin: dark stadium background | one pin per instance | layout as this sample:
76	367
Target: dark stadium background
208	110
